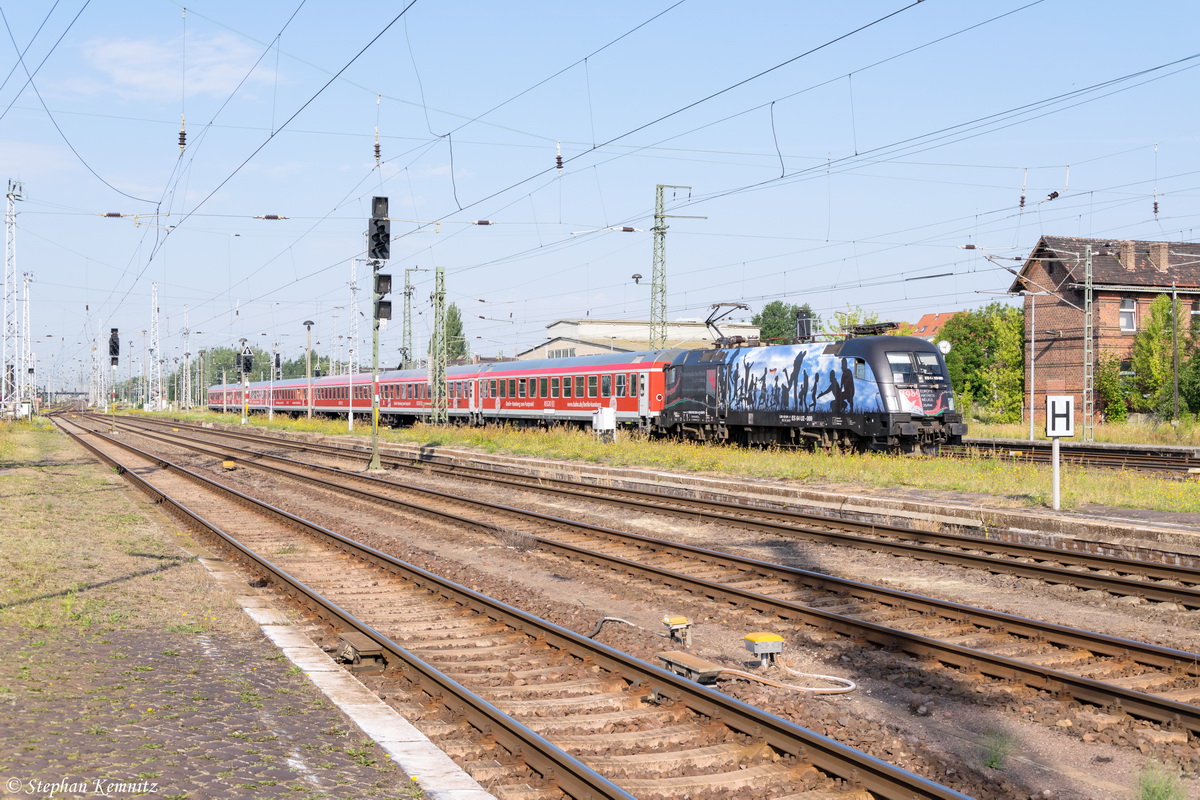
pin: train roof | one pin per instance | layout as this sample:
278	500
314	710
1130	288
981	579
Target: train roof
582	363
495	369
856	346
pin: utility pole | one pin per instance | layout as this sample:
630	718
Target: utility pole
353	340
144	394
10	394
658	276
187	363
1089	357
155	355
308	323
1175	351
26	361
440	407
406	343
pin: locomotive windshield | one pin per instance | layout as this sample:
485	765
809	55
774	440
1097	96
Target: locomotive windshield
913	368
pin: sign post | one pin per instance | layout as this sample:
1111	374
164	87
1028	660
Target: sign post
1060	422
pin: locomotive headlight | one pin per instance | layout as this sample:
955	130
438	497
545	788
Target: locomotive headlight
890	402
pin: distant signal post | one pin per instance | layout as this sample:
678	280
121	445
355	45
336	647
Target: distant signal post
379	247
1060	422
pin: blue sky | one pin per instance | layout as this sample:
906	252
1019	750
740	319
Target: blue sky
838	152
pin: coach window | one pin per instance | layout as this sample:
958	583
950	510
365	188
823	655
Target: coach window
633	384
504	388
606	385
591	385
521	387
566	387
621	385
554	387
580	381
1128	315
544	387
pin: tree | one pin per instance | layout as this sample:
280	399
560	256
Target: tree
1152	359
986	361
1006	374
1189	383
853	315
777	321
456	340
1109	389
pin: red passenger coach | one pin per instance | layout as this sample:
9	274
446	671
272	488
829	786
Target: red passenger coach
545	391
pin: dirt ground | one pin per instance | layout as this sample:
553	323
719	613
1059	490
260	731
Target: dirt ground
986	740
125	671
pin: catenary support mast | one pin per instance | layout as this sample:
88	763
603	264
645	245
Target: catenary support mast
9	391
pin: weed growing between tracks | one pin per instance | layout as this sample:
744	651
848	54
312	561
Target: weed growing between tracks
1008	483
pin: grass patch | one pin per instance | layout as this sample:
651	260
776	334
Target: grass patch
997	747
1008	483
124	569
1156	782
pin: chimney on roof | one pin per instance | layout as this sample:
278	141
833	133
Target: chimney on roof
1127	258
1160	255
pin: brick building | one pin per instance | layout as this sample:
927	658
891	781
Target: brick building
930	325
1126	277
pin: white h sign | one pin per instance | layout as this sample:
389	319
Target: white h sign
1060	416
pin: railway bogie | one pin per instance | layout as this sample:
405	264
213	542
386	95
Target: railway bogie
869	393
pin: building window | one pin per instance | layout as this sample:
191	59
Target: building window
1128	314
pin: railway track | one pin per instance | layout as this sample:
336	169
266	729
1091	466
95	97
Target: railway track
1176	583
1178	462
588	720
1145	681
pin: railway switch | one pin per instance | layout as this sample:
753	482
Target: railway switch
361	652
764	645
679	629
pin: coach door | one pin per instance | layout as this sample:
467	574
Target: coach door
643	395
717	376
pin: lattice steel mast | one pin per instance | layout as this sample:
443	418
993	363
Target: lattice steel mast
9	386
658	275
440	406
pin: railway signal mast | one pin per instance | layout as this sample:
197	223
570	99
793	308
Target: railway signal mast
379	249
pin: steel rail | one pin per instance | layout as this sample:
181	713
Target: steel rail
856	767
1140	704
915	543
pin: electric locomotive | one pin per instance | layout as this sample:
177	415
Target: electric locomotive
868	392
